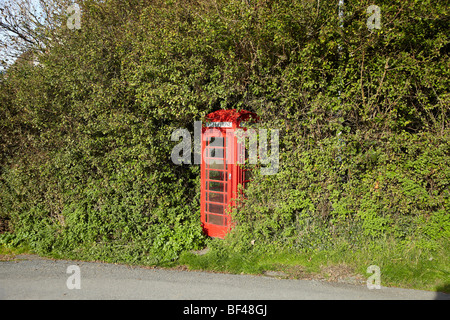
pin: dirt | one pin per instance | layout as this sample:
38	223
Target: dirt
7	257
334	273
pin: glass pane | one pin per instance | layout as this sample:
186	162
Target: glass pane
216	197
216	154
216	166
214	219
216	208
216	175
216	141
216	186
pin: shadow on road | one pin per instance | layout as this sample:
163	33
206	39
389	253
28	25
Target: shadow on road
443	293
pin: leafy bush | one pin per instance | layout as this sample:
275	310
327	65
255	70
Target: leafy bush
399	191
363	116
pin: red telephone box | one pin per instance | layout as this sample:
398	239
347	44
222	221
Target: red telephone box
220	173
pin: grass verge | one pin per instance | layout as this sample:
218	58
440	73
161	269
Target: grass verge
407	266
8	253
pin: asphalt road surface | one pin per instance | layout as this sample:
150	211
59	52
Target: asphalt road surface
33	277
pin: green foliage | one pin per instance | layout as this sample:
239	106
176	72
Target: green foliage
364	147
399	191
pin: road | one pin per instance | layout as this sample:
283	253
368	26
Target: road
33	277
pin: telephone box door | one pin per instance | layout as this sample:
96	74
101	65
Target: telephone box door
216	178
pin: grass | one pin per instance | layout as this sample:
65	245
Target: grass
408	266
9	253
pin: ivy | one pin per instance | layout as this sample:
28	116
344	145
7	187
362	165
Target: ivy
362	113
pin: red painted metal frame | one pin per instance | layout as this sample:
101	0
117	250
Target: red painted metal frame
229	173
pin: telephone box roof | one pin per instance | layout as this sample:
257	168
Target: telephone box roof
231	115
